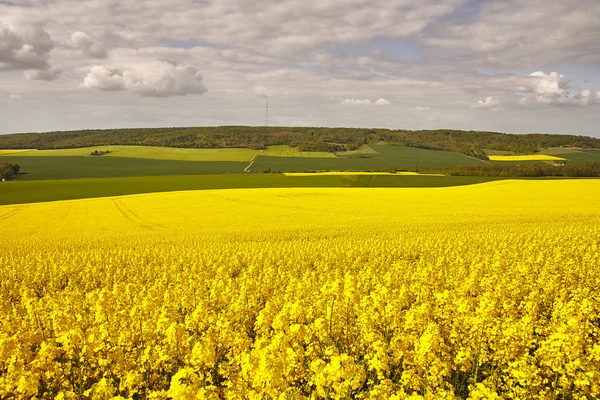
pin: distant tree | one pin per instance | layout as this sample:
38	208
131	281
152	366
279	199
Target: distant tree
8	170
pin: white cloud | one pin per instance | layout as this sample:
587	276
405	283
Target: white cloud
158	79
382	102
103	78
365	102
488	102
263	91
15	97
525	33
267	26
88	45
537	89
552	83
585	98
48	74
420	108
27	48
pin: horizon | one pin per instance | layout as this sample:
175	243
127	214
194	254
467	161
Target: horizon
483	65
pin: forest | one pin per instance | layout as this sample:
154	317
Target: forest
471	143
584	170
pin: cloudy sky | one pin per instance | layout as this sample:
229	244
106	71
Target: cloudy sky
503	65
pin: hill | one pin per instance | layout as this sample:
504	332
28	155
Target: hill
471	143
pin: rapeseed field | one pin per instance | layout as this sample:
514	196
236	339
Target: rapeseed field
528	157
482	292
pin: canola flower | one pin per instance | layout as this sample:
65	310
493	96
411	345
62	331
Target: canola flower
13	151
528	157
481	292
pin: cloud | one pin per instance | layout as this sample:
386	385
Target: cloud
27	48
553	89
49	74
103	78
88	45
158	79
320	52
282	26
263	91
524	33
536	89
584	98
420	108
15	97
365	102
488	102
552	83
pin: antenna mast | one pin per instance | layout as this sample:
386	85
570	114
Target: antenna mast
267	112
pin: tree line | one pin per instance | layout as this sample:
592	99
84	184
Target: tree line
588	169
471	143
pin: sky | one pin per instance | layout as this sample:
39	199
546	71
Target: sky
516	66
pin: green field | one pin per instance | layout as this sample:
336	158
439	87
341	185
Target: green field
125	161
400	157
581	156
573	156
17	192
287	151
60	167
362	150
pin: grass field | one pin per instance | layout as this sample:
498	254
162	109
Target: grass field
399	157
581	156
559	150
150	161
60	167
17	192
478	292
362	150
287	151
546	156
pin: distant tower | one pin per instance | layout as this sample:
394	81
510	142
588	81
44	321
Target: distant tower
267	112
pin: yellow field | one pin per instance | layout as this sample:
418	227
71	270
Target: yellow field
5	152
483	292
174	153
530	157
356	173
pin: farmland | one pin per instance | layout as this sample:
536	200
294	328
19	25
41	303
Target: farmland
122	161
528	157
171	153
122	170
32	191
400	157
59	167
299	292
